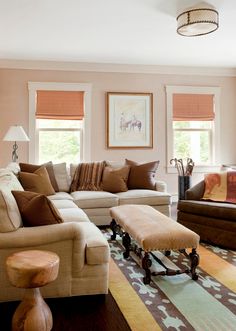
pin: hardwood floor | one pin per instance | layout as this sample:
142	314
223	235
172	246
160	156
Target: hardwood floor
85	313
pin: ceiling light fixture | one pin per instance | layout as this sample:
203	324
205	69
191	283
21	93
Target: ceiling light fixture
197	22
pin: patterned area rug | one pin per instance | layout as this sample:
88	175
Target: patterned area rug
176	302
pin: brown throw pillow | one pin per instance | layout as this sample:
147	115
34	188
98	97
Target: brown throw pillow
115	180
142	176
36	209
37	182
27	167
88	177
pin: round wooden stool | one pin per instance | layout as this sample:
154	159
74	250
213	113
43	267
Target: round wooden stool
32	269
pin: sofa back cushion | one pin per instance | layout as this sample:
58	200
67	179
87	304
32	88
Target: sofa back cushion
115	180
142	176
27	167
62	177
10	218
36	209
37	182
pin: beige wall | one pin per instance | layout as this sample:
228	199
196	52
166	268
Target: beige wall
14	110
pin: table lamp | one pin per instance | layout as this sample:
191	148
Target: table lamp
15	133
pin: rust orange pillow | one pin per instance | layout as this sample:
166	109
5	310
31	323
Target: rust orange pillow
36	209
142	176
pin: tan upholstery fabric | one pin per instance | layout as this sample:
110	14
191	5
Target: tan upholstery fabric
147	197
38	181
88	177
94	199
68	240
60	196
115	180
36	209
73	215
96	250
62	177
142	176
10	218
153	230
27	167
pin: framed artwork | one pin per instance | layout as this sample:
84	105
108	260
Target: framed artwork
129	120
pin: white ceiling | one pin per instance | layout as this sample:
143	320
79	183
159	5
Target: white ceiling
113	31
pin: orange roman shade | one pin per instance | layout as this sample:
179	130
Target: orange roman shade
60	105
193	107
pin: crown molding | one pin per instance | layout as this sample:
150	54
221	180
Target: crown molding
119	68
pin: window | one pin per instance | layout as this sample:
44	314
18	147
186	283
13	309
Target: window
56	133
65	137
193	125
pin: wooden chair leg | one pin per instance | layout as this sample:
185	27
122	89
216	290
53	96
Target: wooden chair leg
194	258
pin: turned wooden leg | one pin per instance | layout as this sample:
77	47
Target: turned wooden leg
146	264
32	314
194	258
167	253
113	228
126	241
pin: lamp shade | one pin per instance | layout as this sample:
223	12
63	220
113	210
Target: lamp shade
197	22
16	133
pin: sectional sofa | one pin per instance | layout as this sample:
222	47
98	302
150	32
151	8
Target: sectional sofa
83	251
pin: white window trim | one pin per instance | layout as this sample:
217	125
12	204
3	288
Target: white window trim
170	90
33	87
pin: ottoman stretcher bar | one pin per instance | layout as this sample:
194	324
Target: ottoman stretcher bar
152	231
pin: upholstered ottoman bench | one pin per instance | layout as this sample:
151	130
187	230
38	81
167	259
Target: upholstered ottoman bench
153	231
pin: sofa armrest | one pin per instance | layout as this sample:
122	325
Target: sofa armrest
196	192
55	237
25	237
161	186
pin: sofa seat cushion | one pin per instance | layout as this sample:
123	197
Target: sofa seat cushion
60	196
97	248
216	210
94	199
62	204
73	215
144	197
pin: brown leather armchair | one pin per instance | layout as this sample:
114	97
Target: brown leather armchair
215	222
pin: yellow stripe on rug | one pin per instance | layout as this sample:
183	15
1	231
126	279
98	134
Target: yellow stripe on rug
218	268
133	309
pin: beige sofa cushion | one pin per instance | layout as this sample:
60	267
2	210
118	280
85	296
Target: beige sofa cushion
73	214
60	196
62	177
94	199
10	218
145	197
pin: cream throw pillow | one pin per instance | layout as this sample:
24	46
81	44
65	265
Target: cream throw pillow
62	177
10	218
115	180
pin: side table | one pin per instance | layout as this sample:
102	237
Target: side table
30	270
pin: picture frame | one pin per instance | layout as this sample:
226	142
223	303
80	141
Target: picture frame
129	119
